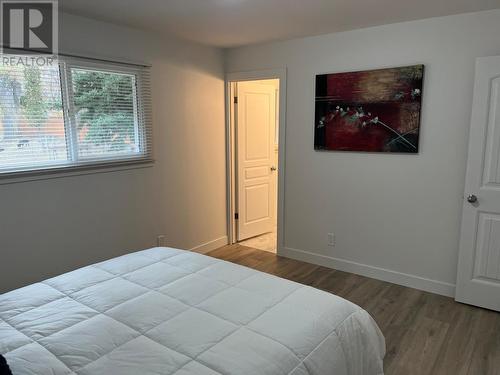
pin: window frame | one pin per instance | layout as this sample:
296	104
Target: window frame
142	122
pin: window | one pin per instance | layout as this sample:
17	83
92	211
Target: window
76	113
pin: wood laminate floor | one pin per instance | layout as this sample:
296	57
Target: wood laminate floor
425	333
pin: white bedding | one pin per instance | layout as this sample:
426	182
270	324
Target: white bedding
166	311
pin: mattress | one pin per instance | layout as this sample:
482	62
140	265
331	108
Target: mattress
167	311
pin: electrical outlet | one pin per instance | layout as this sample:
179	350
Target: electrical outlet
331	239
160	241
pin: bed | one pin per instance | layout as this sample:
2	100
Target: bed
166	311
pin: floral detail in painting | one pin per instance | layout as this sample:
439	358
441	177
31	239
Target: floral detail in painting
371	111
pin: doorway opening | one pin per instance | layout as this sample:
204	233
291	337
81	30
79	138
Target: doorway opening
254	109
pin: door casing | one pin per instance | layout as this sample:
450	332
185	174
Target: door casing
281	74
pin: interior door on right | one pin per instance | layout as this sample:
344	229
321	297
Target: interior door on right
478	280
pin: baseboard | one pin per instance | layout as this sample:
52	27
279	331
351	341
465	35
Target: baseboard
412	281
212	245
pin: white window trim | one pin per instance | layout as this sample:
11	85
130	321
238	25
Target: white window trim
97	165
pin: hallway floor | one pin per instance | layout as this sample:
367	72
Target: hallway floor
266	242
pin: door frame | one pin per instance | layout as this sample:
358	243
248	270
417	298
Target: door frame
278	73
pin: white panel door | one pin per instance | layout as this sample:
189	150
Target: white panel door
255	127
478	281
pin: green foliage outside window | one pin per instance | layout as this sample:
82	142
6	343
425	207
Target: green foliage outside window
36	109
104	103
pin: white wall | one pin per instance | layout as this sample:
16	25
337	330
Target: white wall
396	217
51	226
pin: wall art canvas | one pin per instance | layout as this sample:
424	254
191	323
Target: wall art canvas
370	111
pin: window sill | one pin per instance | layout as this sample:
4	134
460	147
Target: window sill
70	171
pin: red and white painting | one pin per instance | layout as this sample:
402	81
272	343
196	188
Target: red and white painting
370	111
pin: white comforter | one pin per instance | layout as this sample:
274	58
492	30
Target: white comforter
166	311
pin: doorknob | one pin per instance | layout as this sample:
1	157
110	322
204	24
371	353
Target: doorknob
472	198
273	168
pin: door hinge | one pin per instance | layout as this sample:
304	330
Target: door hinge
236	216
235	100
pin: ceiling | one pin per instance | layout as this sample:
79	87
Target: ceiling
231	23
